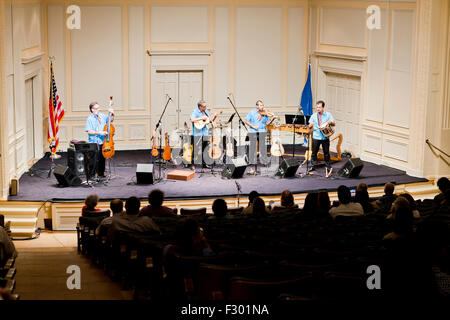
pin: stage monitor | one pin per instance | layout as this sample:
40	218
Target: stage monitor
351	168
235	169
66	177
289	118
144	173
288	168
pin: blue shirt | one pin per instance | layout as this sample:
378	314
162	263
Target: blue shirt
252	117
195	115
317	134
92	124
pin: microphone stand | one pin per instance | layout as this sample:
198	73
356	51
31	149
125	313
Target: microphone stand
241	122
160	144
239	189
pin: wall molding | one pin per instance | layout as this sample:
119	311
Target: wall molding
179	52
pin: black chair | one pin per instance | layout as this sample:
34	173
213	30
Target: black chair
193	212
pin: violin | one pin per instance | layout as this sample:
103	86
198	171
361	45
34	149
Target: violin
167	154
266	113
108	144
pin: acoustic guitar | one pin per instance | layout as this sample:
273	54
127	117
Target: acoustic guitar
167	154
229	146
187	146
276	149
199	125
108	144
154	147
215	152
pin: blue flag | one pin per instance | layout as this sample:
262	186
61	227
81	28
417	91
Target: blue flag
306	101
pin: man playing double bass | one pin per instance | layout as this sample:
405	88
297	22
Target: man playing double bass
317	119
95	124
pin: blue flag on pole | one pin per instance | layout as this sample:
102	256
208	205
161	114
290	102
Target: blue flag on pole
306	101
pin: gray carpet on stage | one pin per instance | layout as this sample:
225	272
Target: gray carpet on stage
36	186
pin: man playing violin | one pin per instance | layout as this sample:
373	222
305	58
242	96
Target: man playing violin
257	118
95	124
317	119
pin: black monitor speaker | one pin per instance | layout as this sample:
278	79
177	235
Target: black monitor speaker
76	161
235	169
66	177
144	173
288	168
351	168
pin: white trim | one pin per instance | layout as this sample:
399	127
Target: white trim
30	59
179	52
339	56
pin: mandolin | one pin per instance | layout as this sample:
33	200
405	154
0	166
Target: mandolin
199	125
154	147
167	154
276	149
187	146
108	144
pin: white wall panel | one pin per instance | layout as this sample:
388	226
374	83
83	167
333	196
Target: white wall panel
137	132
136	56
396	149
179	24
97	58
10	93
402	40
399	99
62	133
79	133
372	143
8	40
343	27
222	57
258	55
378	45
56	46
296	75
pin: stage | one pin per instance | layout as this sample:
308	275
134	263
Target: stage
36	186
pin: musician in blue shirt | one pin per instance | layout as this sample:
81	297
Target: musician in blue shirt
317	119
95	124
255	121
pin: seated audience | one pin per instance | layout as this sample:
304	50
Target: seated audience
286	201
7	248
131	222
311	203
251	196
259	208
385	202
116	207
346	207
90	204
362	197
403	217
220	208
155	207
362	187
443	185
412	205
324	204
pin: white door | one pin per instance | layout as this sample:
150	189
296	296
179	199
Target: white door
343	101
185	88
29	111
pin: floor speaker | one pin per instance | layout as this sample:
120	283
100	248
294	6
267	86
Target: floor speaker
65	176
351	168
144	173
288	168
75	161
235	169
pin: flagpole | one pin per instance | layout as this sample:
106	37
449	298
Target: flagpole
53	155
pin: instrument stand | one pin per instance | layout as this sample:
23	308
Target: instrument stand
158	124
52	166
302	175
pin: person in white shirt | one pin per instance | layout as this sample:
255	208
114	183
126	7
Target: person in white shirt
346	207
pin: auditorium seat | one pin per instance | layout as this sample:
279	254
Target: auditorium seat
234	211
193	212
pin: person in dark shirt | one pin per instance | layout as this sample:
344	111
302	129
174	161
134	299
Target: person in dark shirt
155	207
385	202
362	197
443	185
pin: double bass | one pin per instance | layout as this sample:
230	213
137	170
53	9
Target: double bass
108	144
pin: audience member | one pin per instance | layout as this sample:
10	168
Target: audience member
131	222
443	185
324	204
155	207
259	208
251	196
403	217
287	200
7	248
220	208
362	187
362	197
346	207
412	205
385	202
90	204
310	205
116	207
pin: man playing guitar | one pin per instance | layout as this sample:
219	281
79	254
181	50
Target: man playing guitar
200	118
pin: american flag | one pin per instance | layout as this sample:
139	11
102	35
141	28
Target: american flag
55	113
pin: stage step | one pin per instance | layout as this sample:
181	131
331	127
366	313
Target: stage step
23	217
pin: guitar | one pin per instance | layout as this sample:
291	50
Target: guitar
229	146
108	144
199	125
215	152
167	154
187	146
276	149
154	147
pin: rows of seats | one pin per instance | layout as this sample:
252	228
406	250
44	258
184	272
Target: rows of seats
7	269
285	255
